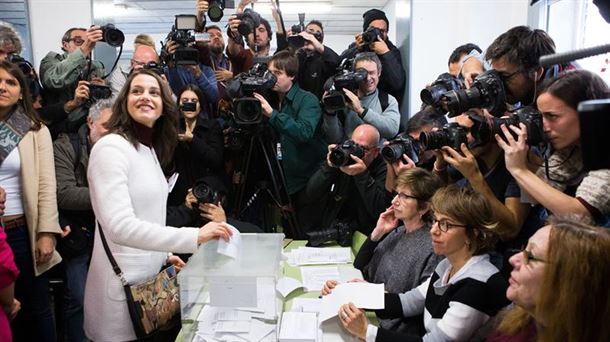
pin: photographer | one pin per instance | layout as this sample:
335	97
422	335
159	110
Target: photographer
211	53
353	193
71	152
10	42
370	105
60	73
142	55
317	62
482	168
393	79
561	185
457	57
294	117
515	55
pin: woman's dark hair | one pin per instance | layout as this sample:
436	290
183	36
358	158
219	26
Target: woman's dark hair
575	86
26	97
165	129
468	207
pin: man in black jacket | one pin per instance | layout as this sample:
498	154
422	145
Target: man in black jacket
393	75
354	193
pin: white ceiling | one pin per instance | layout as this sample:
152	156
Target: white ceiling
154	16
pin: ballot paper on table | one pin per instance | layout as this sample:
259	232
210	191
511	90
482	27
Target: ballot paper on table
363	295
285	285
314	277
230	248
319	256
298	327
306	305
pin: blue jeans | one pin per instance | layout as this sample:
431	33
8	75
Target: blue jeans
35	320
75	276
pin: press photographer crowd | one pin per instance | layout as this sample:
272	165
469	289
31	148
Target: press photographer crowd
485	217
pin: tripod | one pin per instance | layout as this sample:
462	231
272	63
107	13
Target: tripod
271	181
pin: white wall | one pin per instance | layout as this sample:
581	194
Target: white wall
439	26
50	19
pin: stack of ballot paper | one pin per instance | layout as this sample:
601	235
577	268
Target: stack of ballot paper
319	256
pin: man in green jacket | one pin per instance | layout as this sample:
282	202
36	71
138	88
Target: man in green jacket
60	73
295	119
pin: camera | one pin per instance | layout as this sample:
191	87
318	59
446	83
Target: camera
484	128
340	155
487	91
215	10
452	134
370	35
340	232
99	92
25	66
295	39
250	20
593	118
188	107
112	36
402	144
155	67
182	35
246	108
204	193
344	79
445	82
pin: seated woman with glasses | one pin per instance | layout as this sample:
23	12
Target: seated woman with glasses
561	185
401	237
465	291
199	153
559	286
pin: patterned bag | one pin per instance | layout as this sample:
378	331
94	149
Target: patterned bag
153	303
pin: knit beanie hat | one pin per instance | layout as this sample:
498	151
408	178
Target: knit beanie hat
373	14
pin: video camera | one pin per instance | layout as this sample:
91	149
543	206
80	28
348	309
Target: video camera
485	127
182	35
340	232
402	144
340	154
112	36
250	20
445	82
246	108
345	78
452	134
487	91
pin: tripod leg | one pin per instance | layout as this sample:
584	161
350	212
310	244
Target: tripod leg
243	177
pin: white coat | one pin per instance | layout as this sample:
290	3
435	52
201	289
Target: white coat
128	194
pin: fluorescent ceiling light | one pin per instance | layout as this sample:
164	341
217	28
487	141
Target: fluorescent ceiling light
109	10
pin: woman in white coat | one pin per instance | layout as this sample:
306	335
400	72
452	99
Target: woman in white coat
129	194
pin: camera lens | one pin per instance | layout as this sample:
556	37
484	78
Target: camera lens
339	157
215	11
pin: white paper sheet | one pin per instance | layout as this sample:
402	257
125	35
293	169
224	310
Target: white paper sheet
259	329
363	295
232	248
319	256
233	291
233	315
285	285
232	326
314	277
306	305
298	326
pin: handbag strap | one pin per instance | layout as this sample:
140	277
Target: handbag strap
115	266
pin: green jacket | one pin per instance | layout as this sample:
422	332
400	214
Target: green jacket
303	148
59	74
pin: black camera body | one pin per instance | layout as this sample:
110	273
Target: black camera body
112	36
402	144
340	155
204	193
340	232
99	92
487	91
370	35
452	134
345	78
444	83
188	107
155	67
246	108
182	35
250	20
484	128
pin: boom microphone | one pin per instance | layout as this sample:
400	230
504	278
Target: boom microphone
565	57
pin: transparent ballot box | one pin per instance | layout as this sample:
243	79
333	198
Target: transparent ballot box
215	281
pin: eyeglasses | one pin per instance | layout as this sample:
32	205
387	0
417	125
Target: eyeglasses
445	225
77	41
527	256
506	77
403	197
